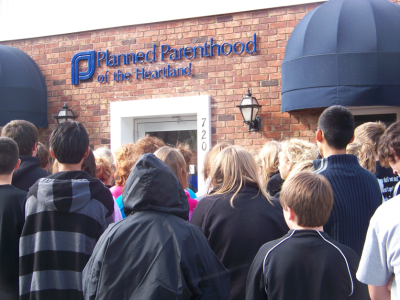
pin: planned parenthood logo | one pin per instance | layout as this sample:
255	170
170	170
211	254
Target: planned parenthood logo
166	53
75	74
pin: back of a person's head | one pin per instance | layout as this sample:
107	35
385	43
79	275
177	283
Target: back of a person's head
69	142
148	144
43	154
269	156
232	168
24	133
296	151
370	132
310	196
103	167
9	155
124	161
105	152
210	156
257	159
89	164
187	154
389	145
306	165
174	159
365	151
337	124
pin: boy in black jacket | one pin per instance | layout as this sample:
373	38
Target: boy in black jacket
306	263
12	206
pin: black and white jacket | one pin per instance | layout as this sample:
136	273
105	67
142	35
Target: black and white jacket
65	215
305	264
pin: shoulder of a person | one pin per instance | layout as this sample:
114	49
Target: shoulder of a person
349	253
386	209
268	247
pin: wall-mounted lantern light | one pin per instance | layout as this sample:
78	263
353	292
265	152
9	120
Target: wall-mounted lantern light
249	108
65	114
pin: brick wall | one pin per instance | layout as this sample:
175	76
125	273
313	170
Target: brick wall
224	78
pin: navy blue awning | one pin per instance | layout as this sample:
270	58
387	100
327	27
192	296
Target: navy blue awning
23	92
344	52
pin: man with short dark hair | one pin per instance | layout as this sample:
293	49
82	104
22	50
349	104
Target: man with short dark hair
65	215
25	134
380	260
305	263
12	207
356	191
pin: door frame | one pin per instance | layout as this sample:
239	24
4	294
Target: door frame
123	115
167	124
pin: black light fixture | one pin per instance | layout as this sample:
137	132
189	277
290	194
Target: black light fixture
249	108
65	114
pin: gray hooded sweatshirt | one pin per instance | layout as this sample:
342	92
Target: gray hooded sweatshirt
65	215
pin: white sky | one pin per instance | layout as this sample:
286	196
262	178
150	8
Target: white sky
20	19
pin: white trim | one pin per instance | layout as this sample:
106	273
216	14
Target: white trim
123	115
345	259
324	165
265	258
375	110
23	19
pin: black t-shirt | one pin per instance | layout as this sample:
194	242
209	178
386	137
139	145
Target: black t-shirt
12	218
386	179
305	264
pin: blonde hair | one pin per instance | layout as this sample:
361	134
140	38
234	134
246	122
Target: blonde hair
103	167
175	161
303	166
232	168
210	156
257	158
296	150
269	156
370	132
104	151
365	152
124	159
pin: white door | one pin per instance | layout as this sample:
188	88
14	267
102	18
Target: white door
173	130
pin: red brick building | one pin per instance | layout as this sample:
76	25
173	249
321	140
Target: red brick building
224	78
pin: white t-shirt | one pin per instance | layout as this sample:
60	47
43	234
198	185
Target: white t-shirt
380	258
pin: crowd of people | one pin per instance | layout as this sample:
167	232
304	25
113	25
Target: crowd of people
297	220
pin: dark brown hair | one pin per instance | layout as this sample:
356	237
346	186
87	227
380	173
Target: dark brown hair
310	196
89	164
24	133
8	155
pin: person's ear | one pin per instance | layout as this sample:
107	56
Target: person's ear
319	135
52	153
290	167
87	152
34	146
292	215
17	165
352	140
